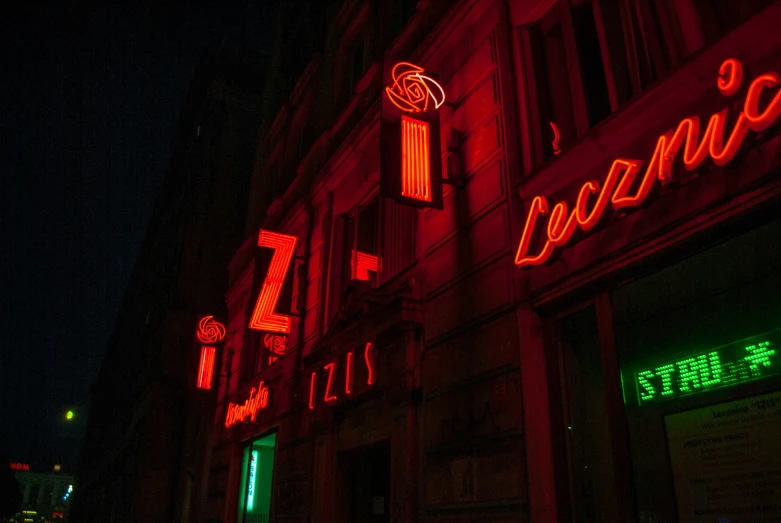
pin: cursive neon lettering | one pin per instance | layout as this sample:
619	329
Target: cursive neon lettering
257	401
622	187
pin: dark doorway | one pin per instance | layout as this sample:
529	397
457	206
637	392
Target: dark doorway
364	485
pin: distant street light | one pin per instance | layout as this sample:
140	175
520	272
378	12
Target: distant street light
69	415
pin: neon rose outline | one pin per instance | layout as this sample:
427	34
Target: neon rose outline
412	90
210	330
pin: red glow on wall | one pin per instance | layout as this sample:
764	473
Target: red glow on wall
349	374
210	330
415	161
264	318
362	263
313	391
556	138
258	400
368	355
621	188
330	395
413	92
206	367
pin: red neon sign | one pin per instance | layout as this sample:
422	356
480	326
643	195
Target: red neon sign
19	466
210	330
620	189
415	174
330	395
411	90
348	374
313	391
206	367
257	401
368	355
275	344
264	318
362	263
329	388
556	138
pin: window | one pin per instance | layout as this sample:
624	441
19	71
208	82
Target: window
636	369
718	17
590	58
358	63
361	247
256	480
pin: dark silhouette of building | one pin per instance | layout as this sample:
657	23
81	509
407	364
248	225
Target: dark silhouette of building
146	438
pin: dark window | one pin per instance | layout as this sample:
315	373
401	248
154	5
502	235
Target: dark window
592	69
620	48
718	17
554	98
358	63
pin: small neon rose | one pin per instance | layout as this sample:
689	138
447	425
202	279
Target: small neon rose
412	91
210	330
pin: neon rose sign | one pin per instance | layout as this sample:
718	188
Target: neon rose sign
411	90
621	188
210	330
257	401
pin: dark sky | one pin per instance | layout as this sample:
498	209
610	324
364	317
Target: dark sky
89	103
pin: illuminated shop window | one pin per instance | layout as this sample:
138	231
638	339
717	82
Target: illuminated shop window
256	481
664	389
700	332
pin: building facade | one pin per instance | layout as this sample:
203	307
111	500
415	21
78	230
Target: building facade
45	497
588	328
147	431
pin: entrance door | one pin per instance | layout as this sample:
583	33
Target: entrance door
255	498
364	484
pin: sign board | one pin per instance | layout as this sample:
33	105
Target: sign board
731	364
726	461
410	148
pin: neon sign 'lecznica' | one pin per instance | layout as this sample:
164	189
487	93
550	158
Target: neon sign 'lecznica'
621	188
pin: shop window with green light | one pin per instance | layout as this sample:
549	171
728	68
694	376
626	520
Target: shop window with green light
702	332
256	480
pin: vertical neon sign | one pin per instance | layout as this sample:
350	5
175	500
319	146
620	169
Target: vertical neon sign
253	473
409	135
210	332
415	175
206	367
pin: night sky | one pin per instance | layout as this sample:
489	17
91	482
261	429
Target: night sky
89	99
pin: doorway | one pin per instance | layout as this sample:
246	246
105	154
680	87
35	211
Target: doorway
257	475
364	484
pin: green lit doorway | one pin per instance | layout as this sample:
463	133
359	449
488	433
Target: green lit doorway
256	480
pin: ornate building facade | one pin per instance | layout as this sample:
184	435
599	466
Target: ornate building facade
565	308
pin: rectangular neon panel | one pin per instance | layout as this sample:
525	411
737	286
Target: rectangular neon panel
415	161
206	367
732	364
362	263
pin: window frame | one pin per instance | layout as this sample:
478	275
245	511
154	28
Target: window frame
624	508
663	45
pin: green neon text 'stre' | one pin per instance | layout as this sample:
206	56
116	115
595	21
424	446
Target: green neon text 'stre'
715	369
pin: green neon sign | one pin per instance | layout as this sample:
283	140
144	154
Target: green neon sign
253	473
739	362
